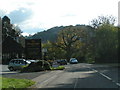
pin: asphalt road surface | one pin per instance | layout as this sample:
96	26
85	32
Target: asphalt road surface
80	76
4	70
74	76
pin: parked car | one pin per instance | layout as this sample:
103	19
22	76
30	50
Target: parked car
17	64
33	60
73	61
62	62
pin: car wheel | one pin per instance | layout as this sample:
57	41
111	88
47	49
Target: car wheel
11	68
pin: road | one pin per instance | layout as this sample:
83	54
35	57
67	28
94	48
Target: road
80	76
4	70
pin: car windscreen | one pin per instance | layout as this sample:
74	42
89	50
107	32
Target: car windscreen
73	60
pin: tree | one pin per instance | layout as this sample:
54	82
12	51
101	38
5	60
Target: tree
97	22
106	39
73	41
69	39
9	29
52	51
22	40
107	43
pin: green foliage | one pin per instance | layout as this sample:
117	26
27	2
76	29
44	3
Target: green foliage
53	52
47	65
107	43
58	68
12	83
71	39
106	40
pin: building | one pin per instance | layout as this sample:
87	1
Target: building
11	48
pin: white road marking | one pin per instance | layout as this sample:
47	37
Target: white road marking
94	70
118	84
105	76
75	83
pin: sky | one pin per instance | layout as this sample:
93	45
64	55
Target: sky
34	16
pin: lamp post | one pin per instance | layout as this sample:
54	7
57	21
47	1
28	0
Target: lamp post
44	51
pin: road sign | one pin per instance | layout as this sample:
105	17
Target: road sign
33	49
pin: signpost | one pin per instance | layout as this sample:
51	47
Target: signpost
44	50
33	49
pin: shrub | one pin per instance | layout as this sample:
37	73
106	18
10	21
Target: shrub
47	65
41	65
50	61
58	68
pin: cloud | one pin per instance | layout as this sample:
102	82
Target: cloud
2	13
33	30
25	34
69	15
20	15
38	15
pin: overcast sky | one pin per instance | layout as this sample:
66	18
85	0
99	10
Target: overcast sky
37	15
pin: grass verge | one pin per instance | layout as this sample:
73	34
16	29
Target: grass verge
16	83
58	68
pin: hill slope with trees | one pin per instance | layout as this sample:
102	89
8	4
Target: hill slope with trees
49	35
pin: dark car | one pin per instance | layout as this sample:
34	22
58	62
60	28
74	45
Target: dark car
62	62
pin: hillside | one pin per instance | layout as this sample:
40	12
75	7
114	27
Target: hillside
50	34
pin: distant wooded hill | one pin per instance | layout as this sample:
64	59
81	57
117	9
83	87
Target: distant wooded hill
52	33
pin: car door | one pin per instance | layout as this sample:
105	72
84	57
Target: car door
22	64
16	64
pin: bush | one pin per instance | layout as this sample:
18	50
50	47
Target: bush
58	68
50	61
47	65
41	65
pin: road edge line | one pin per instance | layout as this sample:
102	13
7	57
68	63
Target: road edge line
118	84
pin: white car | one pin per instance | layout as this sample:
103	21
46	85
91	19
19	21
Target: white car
17	64
73	61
